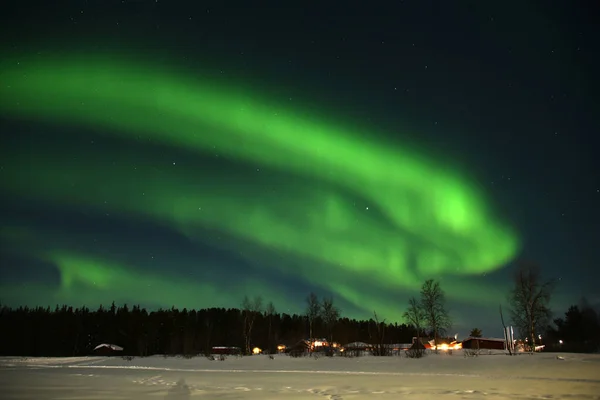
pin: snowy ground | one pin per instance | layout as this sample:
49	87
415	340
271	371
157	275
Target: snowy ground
441	376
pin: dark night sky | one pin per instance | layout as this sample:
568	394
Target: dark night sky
381	116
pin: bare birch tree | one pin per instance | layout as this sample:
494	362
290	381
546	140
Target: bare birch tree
433	304
250	309
313	309
379	348
529	301
330	315
415	316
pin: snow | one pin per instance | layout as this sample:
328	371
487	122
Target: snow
113	347
490	376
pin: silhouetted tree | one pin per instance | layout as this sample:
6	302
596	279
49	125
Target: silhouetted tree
415	316
208	330
529	301
578	331
433	303
475	332
379	347
250	309
313	310
330	316
270	313
69	331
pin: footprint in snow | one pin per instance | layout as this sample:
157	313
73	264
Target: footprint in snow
180	391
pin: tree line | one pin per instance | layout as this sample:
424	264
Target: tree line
577	331
69	331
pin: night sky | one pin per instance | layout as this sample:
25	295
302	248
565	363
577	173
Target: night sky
189	153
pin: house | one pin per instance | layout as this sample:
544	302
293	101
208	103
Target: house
281	348
396	348
484	343
302	347
321	344
309	346
106	350
226	350
444	345
358	348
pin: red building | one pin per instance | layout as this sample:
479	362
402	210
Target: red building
484	343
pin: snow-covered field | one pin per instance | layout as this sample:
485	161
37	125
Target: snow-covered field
437	376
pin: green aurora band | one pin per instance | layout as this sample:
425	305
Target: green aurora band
421	218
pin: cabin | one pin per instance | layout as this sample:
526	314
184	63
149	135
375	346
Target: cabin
301	348
397	348
357	349
227	350
107	350
281	348
358	346
484	343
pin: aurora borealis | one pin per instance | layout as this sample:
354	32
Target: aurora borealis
138	180
420	219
